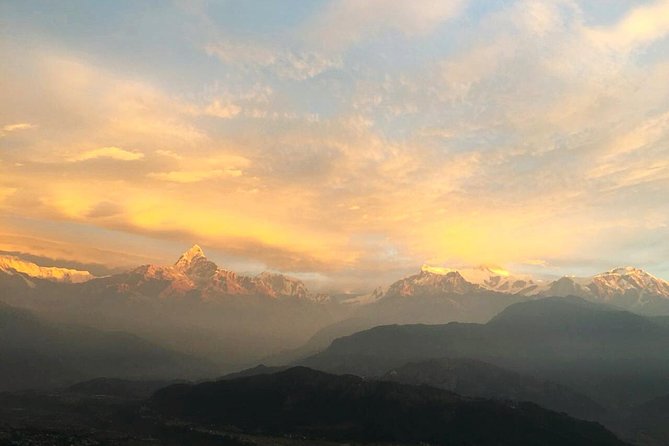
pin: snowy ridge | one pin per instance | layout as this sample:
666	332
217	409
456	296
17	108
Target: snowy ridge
491	278
11	265
429	283
365	299
628	282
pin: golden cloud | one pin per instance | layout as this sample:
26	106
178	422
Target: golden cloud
194	176
111	152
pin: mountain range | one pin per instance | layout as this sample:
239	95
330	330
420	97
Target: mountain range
195	275
275	318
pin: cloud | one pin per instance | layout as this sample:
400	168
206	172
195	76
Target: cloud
285	63
217	165
111	152
6	192
345	22
169	154
104	209
18	126
242	53
328	34
641	26
194	176
9	128
222	110
104	258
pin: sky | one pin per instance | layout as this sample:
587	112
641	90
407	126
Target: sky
346	142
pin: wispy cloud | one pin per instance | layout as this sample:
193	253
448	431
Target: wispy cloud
194	176
111	152
222	110
288	64
641	26
5	192
18	126
9	128
345	22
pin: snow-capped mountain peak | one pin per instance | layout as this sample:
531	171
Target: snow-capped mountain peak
194	264
627	287
479	271
194	252
432	282
493	278
631	274
627	270
628	279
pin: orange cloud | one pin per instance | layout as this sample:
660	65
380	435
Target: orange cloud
115	153
194	176
14	127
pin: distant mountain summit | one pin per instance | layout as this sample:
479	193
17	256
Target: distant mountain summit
429	283
626	287
192	254
195	265
491	278
433	281
611	284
